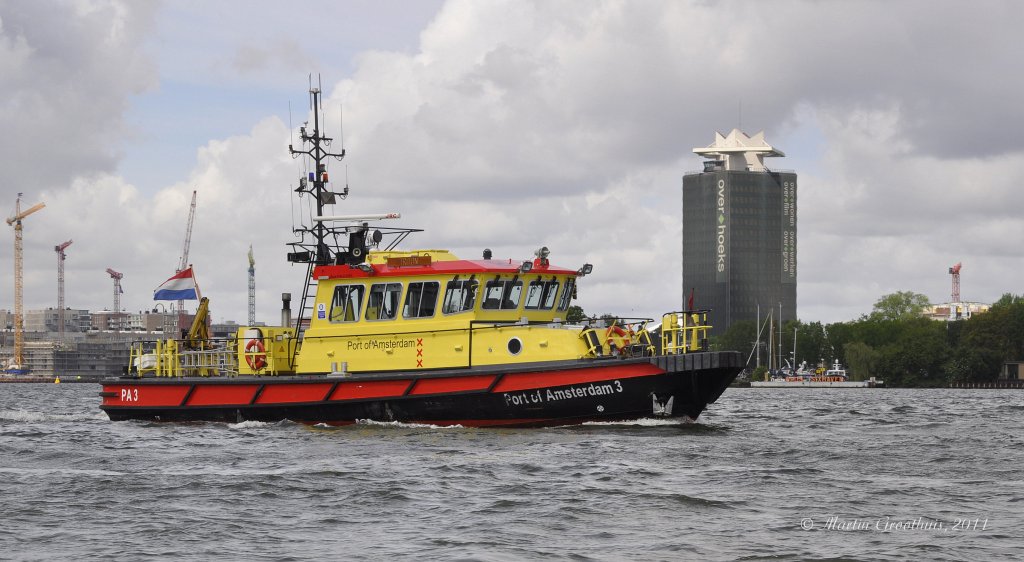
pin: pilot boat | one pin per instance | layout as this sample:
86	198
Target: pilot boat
422	336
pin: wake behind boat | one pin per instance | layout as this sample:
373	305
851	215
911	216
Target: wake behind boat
422	336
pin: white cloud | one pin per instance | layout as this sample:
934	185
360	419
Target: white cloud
521	124
887	218
68	70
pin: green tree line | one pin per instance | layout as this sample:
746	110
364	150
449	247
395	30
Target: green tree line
896	343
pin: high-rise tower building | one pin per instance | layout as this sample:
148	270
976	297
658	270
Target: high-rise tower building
739	232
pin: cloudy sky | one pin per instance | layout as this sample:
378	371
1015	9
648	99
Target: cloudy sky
512	125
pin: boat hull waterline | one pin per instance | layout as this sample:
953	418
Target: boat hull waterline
558	394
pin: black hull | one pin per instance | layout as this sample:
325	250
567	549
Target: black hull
613	394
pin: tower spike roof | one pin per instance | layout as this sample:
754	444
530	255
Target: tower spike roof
739	151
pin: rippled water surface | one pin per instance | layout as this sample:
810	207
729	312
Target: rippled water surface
790	474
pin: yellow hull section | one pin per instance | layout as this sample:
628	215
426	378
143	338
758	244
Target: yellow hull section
437	348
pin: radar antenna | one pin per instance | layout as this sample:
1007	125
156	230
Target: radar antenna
316	146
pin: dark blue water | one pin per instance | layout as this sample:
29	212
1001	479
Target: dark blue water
873	474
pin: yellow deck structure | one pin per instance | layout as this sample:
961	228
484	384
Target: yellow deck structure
423	310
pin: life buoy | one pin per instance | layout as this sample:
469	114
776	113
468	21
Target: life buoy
617	333
255	355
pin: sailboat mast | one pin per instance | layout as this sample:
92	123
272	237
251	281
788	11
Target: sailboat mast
794	350
758	344
779	364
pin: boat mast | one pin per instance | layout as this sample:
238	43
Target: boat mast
318	150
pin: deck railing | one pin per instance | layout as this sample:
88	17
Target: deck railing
170	358
684	332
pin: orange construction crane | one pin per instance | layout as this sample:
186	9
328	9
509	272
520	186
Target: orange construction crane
18	360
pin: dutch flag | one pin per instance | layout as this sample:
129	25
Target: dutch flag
178	288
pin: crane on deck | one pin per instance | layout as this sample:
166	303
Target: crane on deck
117	277
252	288
18	360
183	262
61	256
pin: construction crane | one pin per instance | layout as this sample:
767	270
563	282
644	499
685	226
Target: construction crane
183	262
116	276
955	272
19	319
252	288
61	255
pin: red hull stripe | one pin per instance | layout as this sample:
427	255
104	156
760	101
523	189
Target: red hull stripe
206	394
371	389
287	393
222	395
526	381
455	384
144	395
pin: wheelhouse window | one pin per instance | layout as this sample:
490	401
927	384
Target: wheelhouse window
421	299
383	301
346	302
459	296
567	294
541	294
502	294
